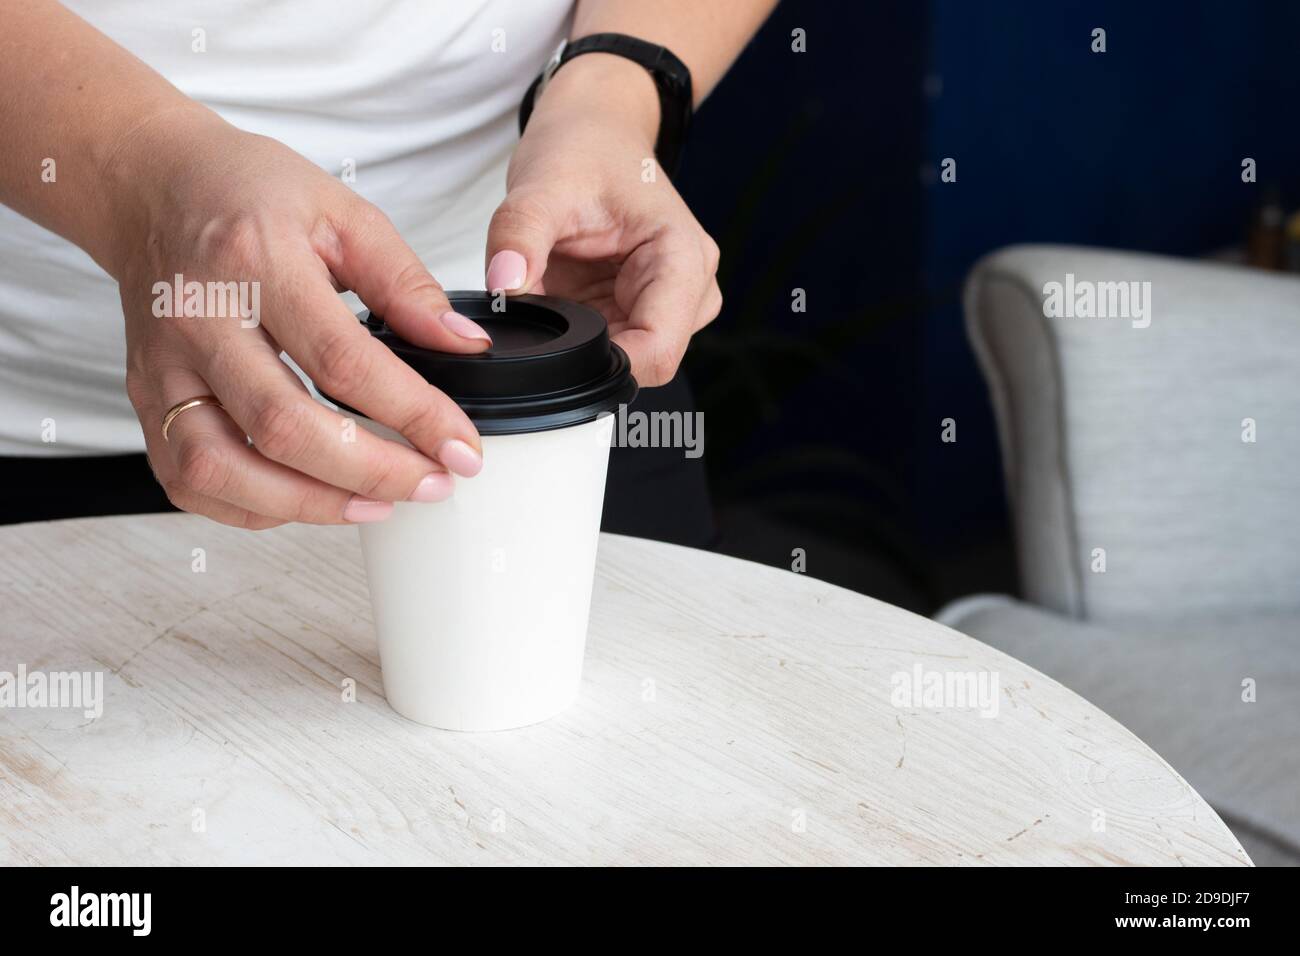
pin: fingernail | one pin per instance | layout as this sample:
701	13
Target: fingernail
463	326
360	510
460	457
436	486
507	270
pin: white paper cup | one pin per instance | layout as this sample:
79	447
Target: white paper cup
481	601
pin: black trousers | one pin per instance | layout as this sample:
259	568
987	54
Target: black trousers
654	493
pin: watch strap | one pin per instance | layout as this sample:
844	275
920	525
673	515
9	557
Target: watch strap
671	76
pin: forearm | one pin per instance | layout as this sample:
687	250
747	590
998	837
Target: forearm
706	36
71	102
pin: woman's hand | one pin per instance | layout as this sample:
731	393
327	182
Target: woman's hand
196	198
590	216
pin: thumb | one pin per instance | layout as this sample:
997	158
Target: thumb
520	237
372	260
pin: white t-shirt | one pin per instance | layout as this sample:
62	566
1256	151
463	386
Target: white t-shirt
420	97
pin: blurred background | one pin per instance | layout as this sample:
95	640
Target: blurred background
820	171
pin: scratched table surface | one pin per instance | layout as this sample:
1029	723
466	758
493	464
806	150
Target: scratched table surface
730	714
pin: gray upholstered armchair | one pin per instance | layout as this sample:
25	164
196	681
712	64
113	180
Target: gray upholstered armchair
1153	469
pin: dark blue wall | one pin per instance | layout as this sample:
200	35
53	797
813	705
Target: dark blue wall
1139	147
810	169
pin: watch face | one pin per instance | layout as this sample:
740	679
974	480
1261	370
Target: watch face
552	65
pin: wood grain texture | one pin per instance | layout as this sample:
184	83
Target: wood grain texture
730	714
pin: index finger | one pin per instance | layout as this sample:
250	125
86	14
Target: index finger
368	256
347	363
286	425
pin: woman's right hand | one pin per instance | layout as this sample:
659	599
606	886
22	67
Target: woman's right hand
197	198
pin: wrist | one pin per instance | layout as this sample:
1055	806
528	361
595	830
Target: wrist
138	172
606	86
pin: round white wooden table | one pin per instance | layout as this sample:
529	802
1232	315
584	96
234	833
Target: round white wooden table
730	714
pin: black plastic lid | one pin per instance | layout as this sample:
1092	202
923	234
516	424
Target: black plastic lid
551	364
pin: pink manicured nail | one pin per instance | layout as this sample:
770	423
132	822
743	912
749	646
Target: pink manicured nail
360	510
463	326
436	486
507	270
460	457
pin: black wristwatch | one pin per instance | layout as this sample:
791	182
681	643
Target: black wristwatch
672	79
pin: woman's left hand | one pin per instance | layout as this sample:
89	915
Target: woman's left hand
589	215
